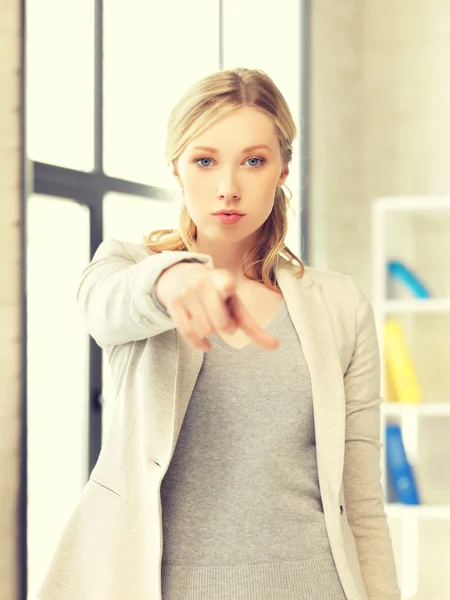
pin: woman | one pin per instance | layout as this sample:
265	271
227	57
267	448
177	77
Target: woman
243	456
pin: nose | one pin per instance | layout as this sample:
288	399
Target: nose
229	196
228	192
228	189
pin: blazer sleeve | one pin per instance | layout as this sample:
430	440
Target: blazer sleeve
116	292
363	491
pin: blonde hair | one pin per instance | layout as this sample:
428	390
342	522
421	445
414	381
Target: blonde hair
202	104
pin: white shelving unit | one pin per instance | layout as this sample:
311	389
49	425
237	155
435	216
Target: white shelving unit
410	417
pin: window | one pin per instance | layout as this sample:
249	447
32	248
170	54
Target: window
60	82
57	373
96	132
172	45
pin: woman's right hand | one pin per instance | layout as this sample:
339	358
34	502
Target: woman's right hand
202	300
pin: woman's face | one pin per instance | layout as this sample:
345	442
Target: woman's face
218	171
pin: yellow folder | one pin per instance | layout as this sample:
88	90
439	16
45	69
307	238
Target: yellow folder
389	392
400	367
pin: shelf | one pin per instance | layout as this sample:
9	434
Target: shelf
423	511
425	409
425	305
396	221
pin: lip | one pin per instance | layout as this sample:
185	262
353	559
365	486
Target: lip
228	212
228	219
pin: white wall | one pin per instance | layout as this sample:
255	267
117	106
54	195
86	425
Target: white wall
380	125
10	295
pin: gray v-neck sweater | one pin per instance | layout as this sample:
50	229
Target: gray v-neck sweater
242	512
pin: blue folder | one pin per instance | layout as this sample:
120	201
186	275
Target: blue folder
397	270
399	468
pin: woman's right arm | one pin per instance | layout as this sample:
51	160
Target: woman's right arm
116	292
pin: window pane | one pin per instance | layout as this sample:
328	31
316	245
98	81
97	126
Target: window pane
57	373
60	82
246	45
153	52
128	218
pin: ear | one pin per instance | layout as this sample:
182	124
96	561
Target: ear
176	174
283	176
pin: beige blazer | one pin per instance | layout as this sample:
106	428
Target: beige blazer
111	548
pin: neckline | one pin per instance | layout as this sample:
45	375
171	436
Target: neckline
219	342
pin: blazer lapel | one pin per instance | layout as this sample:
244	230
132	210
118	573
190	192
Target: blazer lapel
189	363
312	321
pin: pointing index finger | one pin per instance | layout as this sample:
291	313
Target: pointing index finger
248	324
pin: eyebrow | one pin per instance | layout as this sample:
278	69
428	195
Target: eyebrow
248	149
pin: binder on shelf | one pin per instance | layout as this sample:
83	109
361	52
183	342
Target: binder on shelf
389	395
406	276
399	469
399	364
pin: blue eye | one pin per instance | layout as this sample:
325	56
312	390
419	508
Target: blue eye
255	158
197	161
261	161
